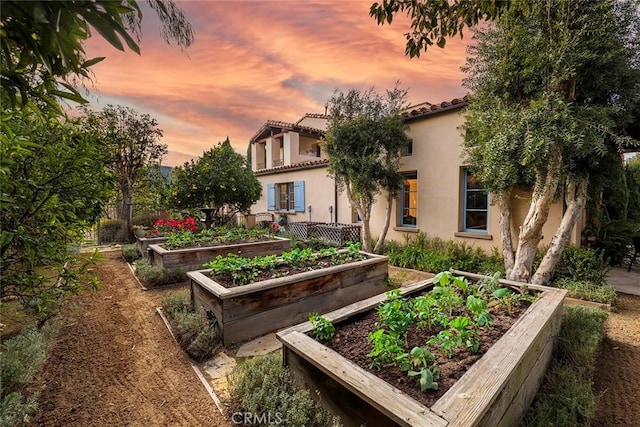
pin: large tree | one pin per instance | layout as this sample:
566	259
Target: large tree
132	141
41	43
553	83
220	179
53	184
363	141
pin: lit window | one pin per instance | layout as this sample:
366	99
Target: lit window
408	201
475	214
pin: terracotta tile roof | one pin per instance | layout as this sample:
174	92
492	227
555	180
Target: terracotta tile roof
309	164
427	109
280	126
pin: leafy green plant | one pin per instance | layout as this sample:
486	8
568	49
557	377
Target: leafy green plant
154	275
322	328
419	363
589	291
131	253
386	348
396	313
245	270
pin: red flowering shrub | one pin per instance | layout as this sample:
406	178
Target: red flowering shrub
163	226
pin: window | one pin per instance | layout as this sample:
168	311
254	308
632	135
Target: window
408	201
286	196
475	205
408	149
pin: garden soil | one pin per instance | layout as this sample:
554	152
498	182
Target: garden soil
116	364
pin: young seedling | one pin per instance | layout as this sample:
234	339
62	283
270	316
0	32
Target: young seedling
322	328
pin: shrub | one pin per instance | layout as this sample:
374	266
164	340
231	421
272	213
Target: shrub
20	360
262	385
588	291
154	275
582	264
199	337
434	255
144	219
566	395
131	253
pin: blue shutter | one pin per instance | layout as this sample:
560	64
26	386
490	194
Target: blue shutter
271	197
298	196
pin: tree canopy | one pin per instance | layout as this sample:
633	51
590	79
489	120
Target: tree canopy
219	179
53	183
553	84
41	42
132	142
363	141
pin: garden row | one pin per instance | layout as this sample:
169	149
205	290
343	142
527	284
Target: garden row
459	349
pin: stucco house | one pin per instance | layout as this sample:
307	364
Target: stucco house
439	196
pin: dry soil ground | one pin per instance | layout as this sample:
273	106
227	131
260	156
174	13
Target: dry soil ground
116	364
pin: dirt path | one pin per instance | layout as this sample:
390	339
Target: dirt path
617	379
116	364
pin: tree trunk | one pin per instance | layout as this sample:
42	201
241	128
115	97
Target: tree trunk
365	213
127	201
504	204
530	235
575	198
383	233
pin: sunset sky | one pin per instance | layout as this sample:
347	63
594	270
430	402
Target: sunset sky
254	61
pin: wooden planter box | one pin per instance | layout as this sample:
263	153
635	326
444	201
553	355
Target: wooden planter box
143	243
495	391
253	310
192	258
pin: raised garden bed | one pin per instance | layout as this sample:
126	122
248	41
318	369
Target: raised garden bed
251	310
143	243
188	259
495	390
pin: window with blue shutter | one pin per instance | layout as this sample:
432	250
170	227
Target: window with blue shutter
298	196
271	197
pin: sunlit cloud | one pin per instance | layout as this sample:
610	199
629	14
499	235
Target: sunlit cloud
254	61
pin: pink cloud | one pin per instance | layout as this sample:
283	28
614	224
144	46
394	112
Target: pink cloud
255	61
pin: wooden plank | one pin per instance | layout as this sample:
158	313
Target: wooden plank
523	399
502	281
331	395
359	306
238	330
592	304
385	398
466	402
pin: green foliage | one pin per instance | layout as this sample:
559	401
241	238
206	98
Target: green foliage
41	68
46	201
588	291
434	22
20	360
132	142
322	328
199	337
131	253
363	141
566	396
553	86
434	254
220	179
419	363
244	270
154	275
262	385
583	264
215	236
